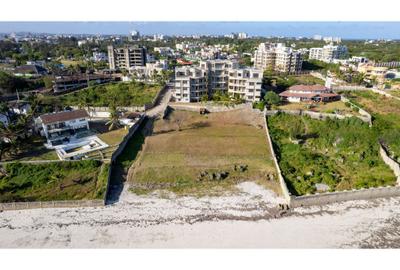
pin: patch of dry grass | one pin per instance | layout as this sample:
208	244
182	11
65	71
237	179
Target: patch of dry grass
187	143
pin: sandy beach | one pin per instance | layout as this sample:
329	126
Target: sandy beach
250	218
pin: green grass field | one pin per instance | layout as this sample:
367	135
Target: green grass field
53	181
187	144
122	94
343	154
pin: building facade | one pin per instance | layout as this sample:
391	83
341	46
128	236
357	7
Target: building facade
245	83
277	57
328	53
309	93
58	127
126	57
190	84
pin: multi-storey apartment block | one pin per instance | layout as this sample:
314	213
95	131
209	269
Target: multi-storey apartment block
218	73
245	83
126	57
328	53
190	84
277	57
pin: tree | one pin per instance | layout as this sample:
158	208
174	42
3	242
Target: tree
114	118
272	98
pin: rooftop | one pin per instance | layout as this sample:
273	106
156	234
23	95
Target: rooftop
304	87
63	116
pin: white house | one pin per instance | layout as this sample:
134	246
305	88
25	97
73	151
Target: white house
61	126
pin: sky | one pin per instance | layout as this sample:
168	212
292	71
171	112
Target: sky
347	30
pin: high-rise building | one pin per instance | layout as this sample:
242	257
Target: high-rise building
126	57
328	53
277	57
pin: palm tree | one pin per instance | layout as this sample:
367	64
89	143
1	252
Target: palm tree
114	118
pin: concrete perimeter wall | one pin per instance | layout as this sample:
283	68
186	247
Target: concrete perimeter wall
50	204
195	107
120	149
317	115
285	191
391	163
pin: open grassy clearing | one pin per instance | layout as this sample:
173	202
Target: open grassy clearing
53	181
186	149
395	93
386	117
338	107
120	94
342	154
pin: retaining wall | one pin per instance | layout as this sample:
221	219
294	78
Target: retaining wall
347	195
391	163
317	115
195	107
50	204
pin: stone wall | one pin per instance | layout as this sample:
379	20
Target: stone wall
347	195
195	107
319	116
391	163
50	204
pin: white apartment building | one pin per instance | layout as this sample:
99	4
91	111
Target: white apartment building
328	53
217	73
278	57
190	84
245	83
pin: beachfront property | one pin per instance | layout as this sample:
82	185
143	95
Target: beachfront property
126	57
309	93
277	57
328	53
68	133
60	126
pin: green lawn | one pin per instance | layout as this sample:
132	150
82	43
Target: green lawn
53	181
122	94
343	154
188	144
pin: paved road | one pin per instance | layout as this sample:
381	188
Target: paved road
160	108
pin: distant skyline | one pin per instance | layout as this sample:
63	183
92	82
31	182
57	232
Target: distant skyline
345	30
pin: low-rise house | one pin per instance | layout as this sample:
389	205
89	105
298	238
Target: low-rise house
61	126
33	71
309	93
67	83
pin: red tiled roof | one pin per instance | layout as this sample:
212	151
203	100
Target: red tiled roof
307	95
303	87
63	116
